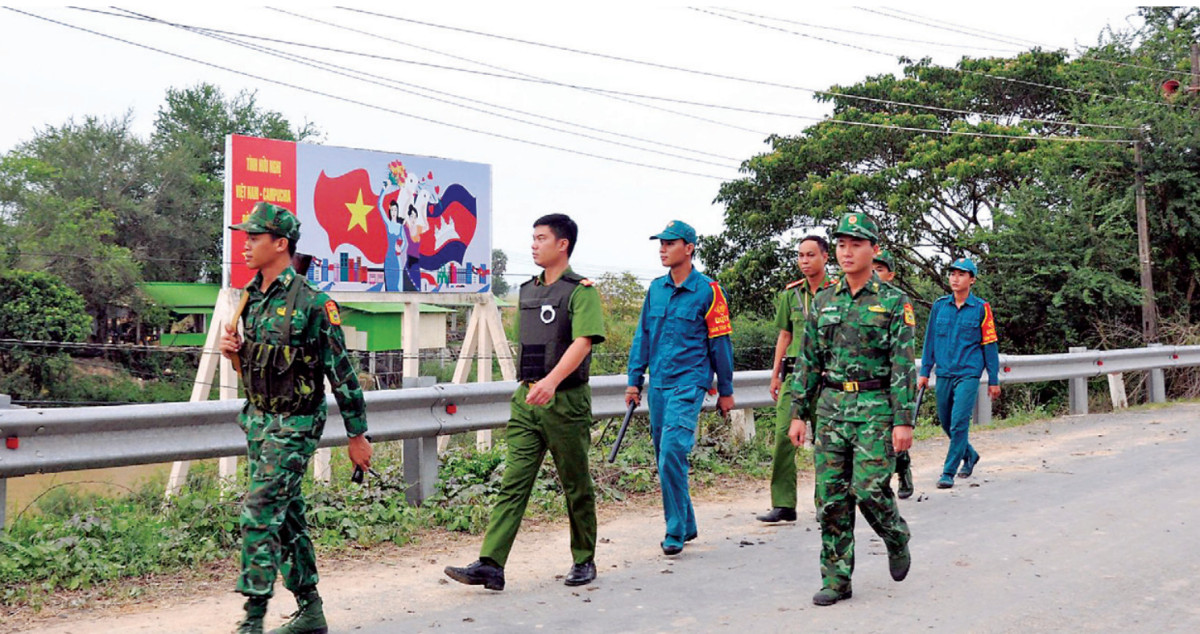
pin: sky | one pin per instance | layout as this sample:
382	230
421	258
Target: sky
619	195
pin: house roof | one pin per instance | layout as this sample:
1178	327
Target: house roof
183	297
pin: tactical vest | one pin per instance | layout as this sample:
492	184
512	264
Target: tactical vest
546	330
281	378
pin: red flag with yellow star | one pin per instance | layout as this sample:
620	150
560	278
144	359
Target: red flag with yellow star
346	207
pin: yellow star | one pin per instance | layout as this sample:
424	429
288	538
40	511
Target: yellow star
358	213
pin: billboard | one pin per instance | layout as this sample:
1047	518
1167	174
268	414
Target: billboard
373	221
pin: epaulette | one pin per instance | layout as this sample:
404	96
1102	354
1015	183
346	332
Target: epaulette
585	282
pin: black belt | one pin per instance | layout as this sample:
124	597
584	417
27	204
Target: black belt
858	386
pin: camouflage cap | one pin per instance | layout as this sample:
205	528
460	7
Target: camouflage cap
885	258
965	265
857	225
677	230
268	218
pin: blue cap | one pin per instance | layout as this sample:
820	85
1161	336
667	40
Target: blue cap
677	230
966	265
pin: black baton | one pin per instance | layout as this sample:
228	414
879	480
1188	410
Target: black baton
917	408
612	455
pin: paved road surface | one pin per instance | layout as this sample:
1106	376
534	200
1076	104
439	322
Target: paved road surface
1086	524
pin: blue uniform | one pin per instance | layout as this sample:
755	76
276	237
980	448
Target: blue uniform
683	339
960	341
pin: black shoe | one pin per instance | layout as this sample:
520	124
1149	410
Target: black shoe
480	573
968	467
829	596
778	514
905	490
581	574
671	545
899	563
691	537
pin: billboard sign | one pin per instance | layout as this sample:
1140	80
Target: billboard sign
373	221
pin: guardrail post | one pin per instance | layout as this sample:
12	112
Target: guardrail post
742	421
1157	381
3	501
1077	389
420	468
983	405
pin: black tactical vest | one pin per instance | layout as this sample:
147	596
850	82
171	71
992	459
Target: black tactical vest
281	378
546	330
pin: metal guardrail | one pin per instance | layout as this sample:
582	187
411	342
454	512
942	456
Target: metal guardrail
54	440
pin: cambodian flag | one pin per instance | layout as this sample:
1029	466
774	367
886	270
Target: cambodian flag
452	223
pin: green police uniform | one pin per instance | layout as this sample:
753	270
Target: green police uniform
550	318
293	340
854	377
903	460
791	309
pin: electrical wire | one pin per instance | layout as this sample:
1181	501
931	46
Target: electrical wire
366	104
1034	43
977	73
392	84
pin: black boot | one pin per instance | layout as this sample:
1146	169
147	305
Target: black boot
778	514
481	573
581	574
309	617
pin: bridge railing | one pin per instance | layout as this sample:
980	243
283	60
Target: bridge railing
69	439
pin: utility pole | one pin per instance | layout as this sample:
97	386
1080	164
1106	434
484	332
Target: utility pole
1149	311
1195	68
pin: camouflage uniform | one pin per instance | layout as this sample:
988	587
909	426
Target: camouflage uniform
903	460
287	352
791	309
851	339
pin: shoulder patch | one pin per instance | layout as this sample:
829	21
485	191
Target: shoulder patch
988	327
331	311
717	317
794	284
909	317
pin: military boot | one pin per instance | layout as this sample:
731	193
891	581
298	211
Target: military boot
905	490
308	619
256	609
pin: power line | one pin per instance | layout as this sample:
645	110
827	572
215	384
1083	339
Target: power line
660	98
1035	43
949	68
1005	40
399	87
508	70
369	105
702	73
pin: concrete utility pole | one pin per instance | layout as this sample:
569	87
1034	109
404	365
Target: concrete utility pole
1149	312
1195	68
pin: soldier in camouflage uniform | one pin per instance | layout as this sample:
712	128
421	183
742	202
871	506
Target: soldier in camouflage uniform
885	268
854	378
293	340
791	308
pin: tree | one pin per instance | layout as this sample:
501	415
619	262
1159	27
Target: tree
621	297
189	148
500	285
38	307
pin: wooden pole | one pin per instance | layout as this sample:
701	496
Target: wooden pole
1149	313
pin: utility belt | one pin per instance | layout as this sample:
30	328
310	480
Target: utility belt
571	381
857	386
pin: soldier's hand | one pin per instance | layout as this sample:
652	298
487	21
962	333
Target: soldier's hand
798	432
633	395
725	404
230	342
993	392
776	383
360	451
922	382
902	437
541	392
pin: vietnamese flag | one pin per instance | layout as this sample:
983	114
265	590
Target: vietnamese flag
346	207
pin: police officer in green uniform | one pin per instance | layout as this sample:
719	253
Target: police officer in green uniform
885	268
293	341
854	379
791	308
559	321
